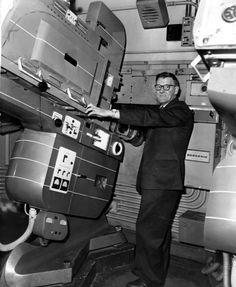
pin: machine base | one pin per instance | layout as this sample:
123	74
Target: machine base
69	263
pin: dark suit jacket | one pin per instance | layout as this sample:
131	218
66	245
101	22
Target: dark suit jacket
169	130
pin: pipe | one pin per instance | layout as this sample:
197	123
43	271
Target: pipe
226	269
168	3
186	50
233	271
188	11
24	236
174	3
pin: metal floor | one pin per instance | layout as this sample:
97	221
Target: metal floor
182	273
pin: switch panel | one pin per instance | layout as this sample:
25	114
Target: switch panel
50	225
71	127
102	143
187	34
63	170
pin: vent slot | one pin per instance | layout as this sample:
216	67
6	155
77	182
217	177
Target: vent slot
61	8
153	13
150	14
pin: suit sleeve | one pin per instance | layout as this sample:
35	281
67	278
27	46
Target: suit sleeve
175	115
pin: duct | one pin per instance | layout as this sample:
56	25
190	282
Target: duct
126	202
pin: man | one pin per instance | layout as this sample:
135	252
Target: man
160	179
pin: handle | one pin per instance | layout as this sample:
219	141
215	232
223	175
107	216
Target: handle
23	70
194	65
80	100
94	137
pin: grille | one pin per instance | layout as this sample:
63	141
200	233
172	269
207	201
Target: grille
153	13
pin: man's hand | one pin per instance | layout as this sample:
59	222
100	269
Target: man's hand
92	110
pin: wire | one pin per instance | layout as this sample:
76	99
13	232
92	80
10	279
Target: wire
32	216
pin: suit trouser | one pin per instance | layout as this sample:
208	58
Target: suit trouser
153	234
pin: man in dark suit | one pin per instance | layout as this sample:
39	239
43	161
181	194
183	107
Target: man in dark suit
160	179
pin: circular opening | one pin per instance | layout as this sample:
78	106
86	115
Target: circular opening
117	148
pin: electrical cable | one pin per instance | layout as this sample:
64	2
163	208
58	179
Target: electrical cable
24	236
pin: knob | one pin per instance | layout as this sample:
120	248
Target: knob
58	122
43	86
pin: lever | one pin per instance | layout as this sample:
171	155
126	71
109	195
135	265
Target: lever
94	137
80	99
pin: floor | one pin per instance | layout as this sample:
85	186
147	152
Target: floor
182	273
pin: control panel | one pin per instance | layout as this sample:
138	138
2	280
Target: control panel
63	162
71	127
63	170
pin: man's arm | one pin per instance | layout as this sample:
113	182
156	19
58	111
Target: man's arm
175	115
151	116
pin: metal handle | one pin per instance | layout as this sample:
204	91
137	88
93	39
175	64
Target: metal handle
23	70
80	101
194	65
94	137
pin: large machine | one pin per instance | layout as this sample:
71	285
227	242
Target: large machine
215	40
64	165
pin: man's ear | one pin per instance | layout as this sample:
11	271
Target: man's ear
176	90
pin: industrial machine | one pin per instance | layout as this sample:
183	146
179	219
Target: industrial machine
64	165
214	36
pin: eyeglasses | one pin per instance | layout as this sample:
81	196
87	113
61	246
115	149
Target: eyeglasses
165	87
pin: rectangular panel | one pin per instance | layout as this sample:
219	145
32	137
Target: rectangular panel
200	157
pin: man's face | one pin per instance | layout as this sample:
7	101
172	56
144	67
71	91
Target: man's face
166	90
